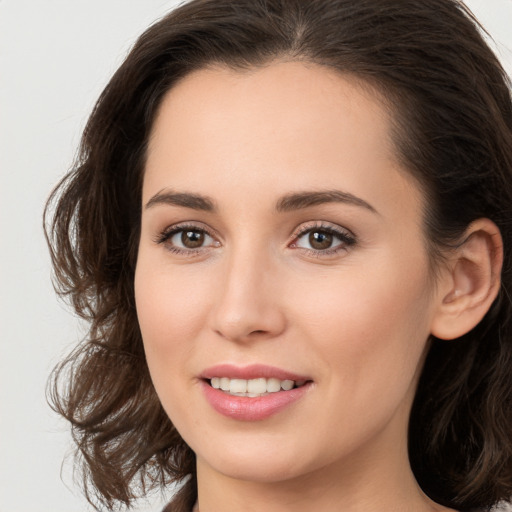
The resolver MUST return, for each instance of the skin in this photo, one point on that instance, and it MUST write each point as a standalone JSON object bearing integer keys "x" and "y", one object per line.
{"x": 356, "y": 321}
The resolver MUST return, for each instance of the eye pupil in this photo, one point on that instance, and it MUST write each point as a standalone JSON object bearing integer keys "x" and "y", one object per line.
{"x": 320, "y": 240}
{"x": 192, "y": 239}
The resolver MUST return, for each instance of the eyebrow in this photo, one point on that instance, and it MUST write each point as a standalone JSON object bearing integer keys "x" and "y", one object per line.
{"x": 300, "y": 200}
{"x": 185, "y": 199}
{"x": 289, "y": 202}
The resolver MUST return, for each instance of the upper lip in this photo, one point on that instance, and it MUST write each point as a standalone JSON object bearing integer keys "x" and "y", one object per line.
{"x": 253, "y": 371}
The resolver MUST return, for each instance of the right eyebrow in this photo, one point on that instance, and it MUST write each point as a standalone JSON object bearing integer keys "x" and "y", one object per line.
{"x": 185, "y": 199}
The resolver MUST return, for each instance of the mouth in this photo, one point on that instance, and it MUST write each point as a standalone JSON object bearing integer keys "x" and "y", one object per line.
{"x": 252, "y": 393}
{"x": 254, "y": 388}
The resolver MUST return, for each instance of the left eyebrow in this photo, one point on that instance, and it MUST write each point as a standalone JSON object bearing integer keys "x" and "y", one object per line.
{"x": 300, "y": 200}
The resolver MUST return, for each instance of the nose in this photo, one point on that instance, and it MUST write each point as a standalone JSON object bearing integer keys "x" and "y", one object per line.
{"x": 249, "y": 304}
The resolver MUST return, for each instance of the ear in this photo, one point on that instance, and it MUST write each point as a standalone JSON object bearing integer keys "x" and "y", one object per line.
{"x": 471, "y": 281}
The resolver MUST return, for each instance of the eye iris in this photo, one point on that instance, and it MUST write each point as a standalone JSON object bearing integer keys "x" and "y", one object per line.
{"x": 320, "y": 240}
{"x": 192, "y": 239}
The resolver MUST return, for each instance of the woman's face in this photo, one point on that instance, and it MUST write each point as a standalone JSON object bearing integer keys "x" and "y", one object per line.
{"x": 282, "y": 242}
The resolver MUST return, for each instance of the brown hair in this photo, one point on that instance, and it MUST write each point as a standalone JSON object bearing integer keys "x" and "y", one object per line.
{"x": 452, "y": 108}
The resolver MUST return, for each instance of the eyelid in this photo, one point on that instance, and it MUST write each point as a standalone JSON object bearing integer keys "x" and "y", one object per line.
{"x": 167, "y": 233}
{"x": 346, "y": 236}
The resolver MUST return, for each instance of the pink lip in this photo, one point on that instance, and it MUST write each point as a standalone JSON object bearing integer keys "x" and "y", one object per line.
{"x": 251, "y": 409}
{"x": 253, "y": 371}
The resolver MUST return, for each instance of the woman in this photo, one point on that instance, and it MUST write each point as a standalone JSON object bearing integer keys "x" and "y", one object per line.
{"x": 290, "y": 230}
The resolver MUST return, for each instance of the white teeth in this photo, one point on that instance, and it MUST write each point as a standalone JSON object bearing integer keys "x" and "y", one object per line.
{"x": 273, "y": 385}
{"x": 257, "y": 386}
{"x": 253, "y": 387}
{"x": 287, "y": 384}
{"x": 238, "y": 386}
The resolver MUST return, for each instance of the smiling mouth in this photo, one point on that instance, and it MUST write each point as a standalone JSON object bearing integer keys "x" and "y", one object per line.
{"x": 253, "y": 388}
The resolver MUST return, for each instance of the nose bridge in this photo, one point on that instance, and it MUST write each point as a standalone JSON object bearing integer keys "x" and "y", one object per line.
{"x": 247, "y": 305}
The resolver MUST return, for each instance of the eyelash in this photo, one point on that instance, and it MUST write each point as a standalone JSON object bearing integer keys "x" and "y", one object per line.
{"x": 344, "y": 236}
{"x": 166, "y": 235}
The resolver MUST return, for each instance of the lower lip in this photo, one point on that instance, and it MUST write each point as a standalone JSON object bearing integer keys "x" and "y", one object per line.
{"x": 244, "y": 408}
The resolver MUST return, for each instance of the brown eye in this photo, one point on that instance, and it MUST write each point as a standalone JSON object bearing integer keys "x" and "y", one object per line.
{"x": 320, "y": 240}
{"x": 324, "y": 241}
{"x": 192, "y": 239}
{"x": 188, "y": 239}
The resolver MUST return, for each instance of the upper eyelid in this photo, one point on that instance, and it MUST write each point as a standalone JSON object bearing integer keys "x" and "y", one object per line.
{"x": 322, "y": 225}
{"x": 191, "y": 225}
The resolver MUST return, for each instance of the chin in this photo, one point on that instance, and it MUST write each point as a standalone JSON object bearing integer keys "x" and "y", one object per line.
{"x": 262, "y": 459}
{"x": 258, "y": 469}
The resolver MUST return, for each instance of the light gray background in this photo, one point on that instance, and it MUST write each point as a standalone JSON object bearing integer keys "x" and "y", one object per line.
{"x": 55, "y": 58}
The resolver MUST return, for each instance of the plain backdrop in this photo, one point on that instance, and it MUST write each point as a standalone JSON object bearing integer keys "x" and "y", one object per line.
{"x": 55, "y": 58}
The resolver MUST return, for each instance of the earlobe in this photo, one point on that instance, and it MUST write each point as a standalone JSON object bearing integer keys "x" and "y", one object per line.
{"x": 471, "y": 282}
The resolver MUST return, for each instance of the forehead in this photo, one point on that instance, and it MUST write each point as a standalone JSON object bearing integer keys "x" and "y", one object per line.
{"x": 289, "y": 99}
{"x": 288, "y": 125}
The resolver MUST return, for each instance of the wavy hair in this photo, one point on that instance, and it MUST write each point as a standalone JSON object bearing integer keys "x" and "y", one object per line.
{"x": 451, "y": 104}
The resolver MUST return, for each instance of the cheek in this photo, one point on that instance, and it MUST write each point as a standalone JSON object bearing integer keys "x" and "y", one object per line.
{"x": 368, "y": 333}
{"x": 371, "y": 325}
{"x": 171, "y": 310}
